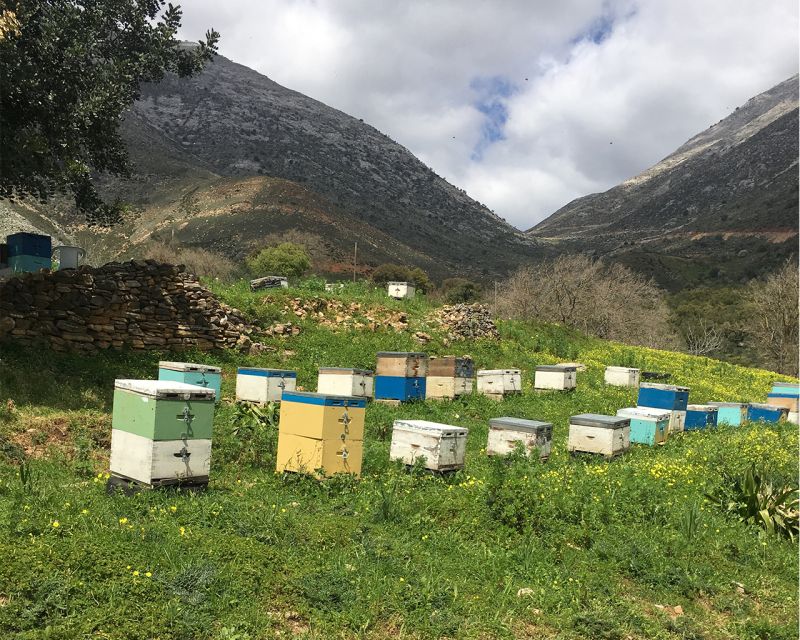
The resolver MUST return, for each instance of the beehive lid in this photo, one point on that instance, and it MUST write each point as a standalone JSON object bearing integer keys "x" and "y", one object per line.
{"x": 434, "y": 428}
{"x": 561, "y": 368}
{"x": 787, "y": 385}
{"x": 267, "y": 373}
{"x": 322, "y": 399}
{"x": 394, "y": 284}
{"x": 662, "y": 387}
{"x": 188, "y": 366}
{"x": 497, "y": 372}
{"x": 598, "y": 420}
{"x": 519, "y": 424}
{"x": 767, "y": 407}
{"x": 401, "y": 354}
{"x": 644, "y": 412}
{"x": 735, "y": 405}
{"x": 345, "y": 371}
{"x": 708, "y": 408}
{"x": 623, "y": 369}
{"x": 165, "y": 389}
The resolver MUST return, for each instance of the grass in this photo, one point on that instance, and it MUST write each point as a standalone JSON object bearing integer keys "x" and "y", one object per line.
{"x": 572, "y": 548}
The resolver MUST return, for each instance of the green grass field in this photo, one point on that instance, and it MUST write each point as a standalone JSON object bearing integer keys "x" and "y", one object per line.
{"x": 570, "y": 548}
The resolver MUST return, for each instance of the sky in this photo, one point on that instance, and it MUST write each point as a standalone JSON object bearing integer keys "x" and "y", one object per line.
{"x": 525, "y": 104}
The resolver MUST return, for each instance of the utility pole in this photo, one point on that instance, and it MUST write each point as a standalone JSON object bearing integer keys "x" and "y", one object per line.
{"x": 495, "y": 295}
{"x": 355, "y": 260}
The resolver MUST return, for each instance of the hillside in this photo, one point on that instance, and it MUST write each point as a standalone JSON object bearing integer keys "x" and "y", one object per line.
{"x": 721, "y": 208}
{"x": 572, "y": 548}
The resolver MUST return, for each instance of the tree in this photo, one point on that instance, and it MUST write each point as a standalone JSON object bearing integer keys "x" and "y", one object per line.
{"x": 772, "y": 318}
{"x": 460, "y": 290}
{"x": 390, "y": 273}
{"x": 68, "y": 71}
{"x": 286, "y": 259}
{"x": 420, "y": 279}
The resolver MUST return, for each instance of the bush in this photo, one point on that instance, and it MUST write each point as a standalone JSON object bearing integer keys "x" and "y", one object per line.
{"x": 420, "y": 279}
{"x": 390, "y": 273}
{"x": 457, "y": 290}
{"x": 200, "y": 262}
{"x": 286, "y": 259}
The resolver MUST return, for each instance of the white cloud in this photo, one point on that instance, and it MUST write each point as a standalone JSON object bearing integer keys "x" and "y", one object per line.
{"x": 583, "y": 115}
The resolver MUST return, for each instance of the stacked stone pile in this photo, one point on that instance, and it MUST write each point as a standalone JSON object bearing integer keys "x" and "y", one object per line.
{"x": 466, "y": 321}
{"x": 137, "y": 305}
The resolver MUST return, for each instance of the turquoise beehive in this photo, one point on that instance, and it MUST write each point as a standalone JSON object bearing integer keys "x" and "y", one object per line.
{"x": 648, "y": 426}
{"x": 202, "y": 375}
{"x": 731, "y": 413}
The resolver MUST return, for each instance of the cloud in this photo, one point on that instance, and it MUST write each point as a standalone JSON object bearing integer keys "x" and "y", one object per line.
{"x": 524, "y": 105}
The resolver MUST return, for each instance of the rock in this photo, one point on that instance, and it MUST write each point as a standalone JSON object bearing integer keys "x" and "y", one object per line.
{"x": 466, "y": 321}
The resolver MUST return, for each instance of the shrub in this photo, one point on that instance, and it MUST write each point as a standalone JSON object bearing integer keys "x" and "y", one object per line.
{"x": 460, "y": 290}
{"x": 390, "y": 273}
{"x": 286, "y": 259}
{"x": 198, "y": 261}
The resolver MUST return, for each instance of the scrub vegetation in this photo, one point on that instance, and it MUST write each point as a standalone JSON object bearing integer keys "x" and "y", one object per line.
{"x": 644, "y": 546}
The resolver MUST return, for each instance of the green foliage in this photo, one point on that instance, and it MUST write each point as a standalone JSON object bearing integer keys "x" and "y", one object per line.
{"x": 752, "y": 498}
{"x": 67, "y": 75}
{"x": 397, "y": 273}
{"x": 286, "y": 259}
{"x": 254, "y": 432}
{"x": 460, "y": 290}
{"x": 420, "y": 279}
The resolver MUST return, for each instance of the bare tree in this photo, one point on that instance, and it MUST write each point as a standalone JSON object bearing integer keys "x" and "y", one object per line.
{"x": 772, "y": 318}
{"x": 702, "y": 339}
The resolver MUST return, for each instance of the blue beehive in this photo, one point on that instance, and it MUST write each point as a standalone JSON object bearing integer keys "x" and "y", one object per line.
{"x": 766, "y": 413}
{"x": 29, "y": 244}
{"x": 399, "y": 388}
{"x": 731, "y": 413}
{"x": 790, "y": 388}
{"x": 648, "y": 426}
{"x": 700, "y": 416}
{"x": 202, "y": 375}
{"x": 663, "y": 396}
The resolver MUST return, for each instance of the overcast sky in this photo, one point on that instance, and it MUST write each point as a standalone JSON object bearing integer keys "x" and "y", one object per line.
{"x": 525, "y": 104}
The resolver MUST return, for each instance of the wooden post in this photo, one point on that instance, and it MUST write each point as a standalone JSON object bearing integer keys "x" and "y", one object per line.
{"x": 355, "y": 258}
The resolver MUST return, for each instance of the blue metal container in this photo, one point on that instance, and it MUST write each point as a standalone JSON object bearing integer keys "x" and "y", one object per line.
{"x": 399, "y": 388}
{"x": 28, "y": 264}
{"x": 766, "y": 413}
{"x": 700, "y": 416}
{"x": 202, "y": 375}
{"x": 731, "y": 413}
{"x": 29, "y": 244}
{"x": 663, "y": 396}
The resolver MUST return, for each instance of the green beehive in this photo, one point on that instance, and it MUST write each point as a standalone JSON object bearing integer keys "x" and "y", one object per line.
{"x": 163, "y": 410}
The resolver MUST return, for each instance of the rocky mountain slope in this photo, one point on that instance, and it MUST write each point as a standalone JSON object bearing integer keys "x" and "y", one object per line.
{"x": 723, "y": 206}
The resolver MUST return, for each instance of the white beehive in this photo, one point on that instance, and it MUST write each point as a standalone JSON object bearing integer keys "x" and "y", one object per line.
{"x": 506, "y": 433}
{"x": 159, "y": 461}
{"x": 677, "y": 419}
{"x": 447, "y": 387}
{"x": 603, "y": 435}
{"x": 263, "y": 385}
{"x": 400, "y": 290}
{"x": 499, "y": 382}
{"x": 338, "y": 381}
{"x": 559, "y": 377}
{"x": 442, "y": 445}
{"x": 622, "y": 376}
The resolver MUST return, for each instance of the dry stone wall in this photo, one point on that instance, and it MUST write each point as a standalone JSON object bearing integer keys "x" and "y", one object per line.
{"x": 137, "y": 305}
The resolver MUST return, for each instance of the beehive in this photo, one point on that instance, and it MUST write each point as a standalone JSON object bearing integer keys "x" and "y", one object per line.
{"x": 442, "y": 445}
{"x": 161, "y": 431}
{"x": 400, "y": 388}
{"x": 766, "y": 413}
{"x": 202, "y": 375}
{"x": 560, "y": 377}
{"x": 506, "y": 434}
{"x": 731, "y": 413}
{"x": 604, "y": 435}
{"x": 320, "y": 433}
{"x": 400, "y": 375}
{"x": 400, "y": 290}
{"x": 784, "y": 395}
{"x": 29, "y": 252}
{"x": 498, "y": 383}
{"x": 622, "y": 376}
{"x": 648, "y": 426}
{"x": 442, "y": 387}
{"x": 449, "y": 377}
{"x": 451, "y": 366}
{"x": 345, "y": 382}
{"x": 263, "y": 385}
{"x": 700, "y": 416}
{"x": 666, "y": 396}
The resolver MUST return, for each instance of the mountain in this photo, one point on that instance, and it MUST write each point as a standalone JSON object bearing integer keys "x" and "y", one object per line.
{"x": 722, "y": 208}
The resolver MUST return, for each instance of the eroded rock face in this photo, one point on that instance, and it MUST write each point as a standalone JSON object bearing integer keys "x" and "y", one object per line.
{"x": 136, "y": 305}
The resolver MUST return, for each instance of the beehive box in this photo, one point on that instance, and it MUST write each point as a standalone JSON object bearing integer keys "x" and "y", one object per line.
{"x": 442, "y": 445}
{"x": 499, "y": 382}
{"x": 29, "y": 244}
{"x": 604, "y": 435}
{"x": 443, "y": 387}
{"x": 648, "y": 426}
{"x": 558, "y": 377}
{"x": 505, "y": 434}
{"x": 28, "y": 264}
{"x": 161, "y": 431}
{"x": 766, "y": 413}
{"x": 202, "y": 375}
{"x": 264, "y": 385}
{"x": 451, "y": 366}
{"x": 784, "y": 399}
{"x": 677, "y": 419}
{"x": 404, "y": 364}
{"x": 400, "y": 290}
{"x": 700, "y": 416}
{"x": 663, "y": 396}
{"x": 622, "y": 376}
{"x": 320, "y": 433}
{"x": 731, "y": 413}
{"x": 345, "y": 382}
{"x": 400, "y": 388}
{"x": 791, "y": 388}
